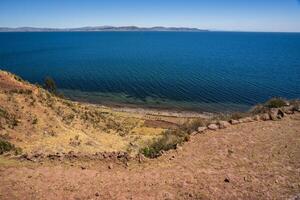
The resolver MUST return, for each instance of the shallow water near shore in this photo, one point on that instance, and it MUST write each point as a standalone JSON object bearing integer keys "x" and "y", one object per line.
{"x": 209, "y": 71}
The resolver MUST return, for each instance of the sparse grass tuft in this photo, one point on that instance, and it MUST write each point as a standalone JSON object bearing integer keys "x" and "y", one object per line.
{"x": 5, "y": 146}
{"x": 272, "y": 103}
{"x": 193, "y": 125}
{"x": 169, "y": 140}
{"x": 275, "y": 103}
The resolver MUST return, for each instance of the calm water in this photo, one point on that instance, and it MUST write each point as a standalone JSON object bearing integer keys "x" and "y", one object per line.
{"x": 208, "y": 71}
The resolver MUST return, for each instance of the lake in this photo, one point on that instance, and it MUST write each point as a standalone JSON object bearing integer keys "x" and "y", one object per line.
{"x": 200, "y": 71}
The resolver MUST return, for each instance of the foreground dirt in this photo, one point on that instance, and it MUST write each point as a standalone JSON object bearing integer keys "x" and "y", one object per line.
{"x": 257, "y": 160}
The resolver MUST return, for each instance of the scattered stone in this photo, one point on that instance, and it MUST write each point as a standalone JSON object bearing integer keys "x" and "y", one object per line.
{"x": 288, "y": 110}
{"x": 97, "y": 194}
{"x": 234, "y": 122}
{"x": 246, "y": 120}
{"x": 276, "y": 114}
{"x": 230, "y": 151}
{"x": 178, "y": 147}
{"x": 223, "y": 124}
{"x": 201, "y": 129}
{"x": 226, "y": 180}
{"x": 194, "y": 133}
{"x": 256, "y": 117}
{"x": 83, "y": 168}
{"x": 265, "y": 117}
{"x": 213, "y": 127}
{"x": 110, "y": 166}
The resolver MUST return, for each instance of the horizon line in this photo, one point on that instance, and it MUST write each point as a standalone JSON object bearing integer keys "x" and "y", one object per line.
{"x": 138, "y": 27}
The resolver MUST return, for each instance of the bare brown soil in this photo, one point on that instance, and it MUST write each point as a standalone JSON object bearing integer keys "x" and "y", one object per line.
{"x": 256, "y": 160}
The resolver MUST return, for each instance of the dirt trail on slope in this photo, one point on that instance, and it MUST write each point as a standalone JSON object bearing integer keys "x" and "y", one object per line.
{"x": 258, "y": 160}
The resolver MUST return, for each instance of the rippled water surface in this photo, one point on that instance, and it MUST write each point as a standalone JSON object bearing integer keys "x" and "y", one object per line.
{"x": 208, "y": 71}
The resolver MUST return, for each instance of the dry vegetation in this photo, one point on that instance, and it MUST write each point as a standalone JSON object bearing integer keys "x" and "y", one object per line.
{"x": 38, "y": 121}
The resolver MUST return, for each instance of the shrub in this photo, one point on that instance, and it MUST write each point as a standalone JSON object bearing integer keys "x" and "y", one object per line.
{"x": 5, "y": 146}
{"x": 272, "y": 103}
{"x": 34, "y": 121}
{"x": 193, "y": 125}
{"x": 3, "y": 113}
{"x": 49, "y": 84}
{"x": 275, "y": 103}
{"x": 169, "y": 140}
{"x": 238, "y": 115}
{"x": 18, "y": 151}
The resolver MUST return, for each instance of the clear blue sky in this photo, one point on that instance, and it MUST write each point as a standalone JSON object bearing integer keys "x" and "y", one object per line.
{"x": 244, "y": 15}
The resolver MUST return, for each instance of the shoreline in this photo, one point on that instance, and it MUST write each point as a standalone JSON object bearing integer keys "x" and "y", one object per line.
{"x": 143, "y": 110}
{"x": 163, "y": 108}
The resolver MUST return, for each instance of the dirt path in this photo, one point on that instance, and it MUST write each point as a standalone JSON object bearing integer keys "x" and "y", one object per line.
{"x": 258, "y": 160}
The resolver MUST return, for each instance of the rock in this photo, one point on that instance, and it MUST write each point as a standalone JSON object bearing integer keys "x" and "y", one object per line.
{"x": 297, "y": 108}
{"x": 110, "y": 166}
{"x": 223, "y": 124}
{"x": 256, "y": 117}
{"x": 213, "y": 127}
{"x": 97, "y": 194}
{"x": 265, "y": 117}
{"x": 226, "y": 180}
{"x": 288, "y": 110}
{"x": 194, "y": 133}
{"x": 246, "y": 120}
{"x": 276, "y": 113}
{"x": 178, "y": 147}
{"x": 201, "y": 129}
{"x": 234, "y": 122}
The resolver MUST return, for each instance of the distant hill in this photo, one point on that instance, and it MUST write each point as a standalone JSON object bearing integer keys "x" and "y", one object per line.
{"x": 99, "y": 29}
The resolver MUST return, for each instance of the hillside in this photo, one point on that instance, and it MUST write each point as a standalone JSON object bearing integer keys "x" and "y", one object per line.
{"x": 41, "y": 123}
{"x": 89, "y": 151}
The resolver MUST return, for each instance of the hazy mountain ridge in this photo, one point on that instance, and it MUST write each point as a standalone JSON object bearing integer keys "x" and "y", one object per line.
{"x": 100, "y": 28}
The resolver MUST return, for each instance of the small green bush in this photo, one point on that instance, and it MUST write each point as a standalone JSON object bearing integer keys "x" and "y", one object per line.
{"x": 50, "y": 85}
{"x": 5, "y": 146}
{"x": 18, "y": 151}
{"x": 169, "y": 140}
{"x": 3, "y": 113}
{"x": 275, "y": 103}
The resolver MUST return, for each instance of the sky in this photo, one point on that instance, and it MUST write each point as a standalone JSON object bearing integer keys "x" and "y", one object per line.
{"x": 227, "y": 15}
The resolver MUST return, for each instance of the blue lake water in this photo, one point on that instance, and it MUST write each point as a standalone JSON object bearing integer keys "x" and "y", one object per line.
{"x": 201, "y": 71}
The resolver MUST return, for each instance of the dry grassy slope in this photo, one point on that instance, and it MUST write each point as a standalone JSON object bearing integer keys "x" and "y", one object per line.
{"x": 37, "y": 121}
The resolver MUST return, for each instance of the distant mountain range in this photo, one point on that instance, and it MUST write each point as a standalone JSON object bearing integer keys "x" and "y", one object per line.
{"x": 99, "y": 28}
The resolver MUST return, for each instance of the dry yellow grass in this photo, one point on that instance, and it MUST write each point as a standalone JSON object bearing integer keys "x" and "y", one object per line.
{"x": 45, "y": 123}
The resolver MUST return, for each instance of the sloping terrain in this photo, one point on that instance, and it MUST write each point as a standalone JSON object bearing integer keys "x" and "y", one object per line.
{"x": 41, "y": 123}
{"x": 257, "y": 160}
{"x": 253, "y": 157}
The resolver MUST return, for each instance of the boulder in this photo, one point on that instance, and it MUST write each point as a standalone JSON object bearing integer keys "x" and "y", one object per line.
{"x": 297, "y": 108}
{"x": 276, "y": 114}
{"x": 201, "y": 129}
{"x": 223, "y": 124}
{"x": 234, "y": 122}
{"x": 256, "y": 117}
{"x": 288, "y": 110}
{"x": 246, "y": 120}
{"x": 213, "y": 127}
{"x": 265, "y": 117}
